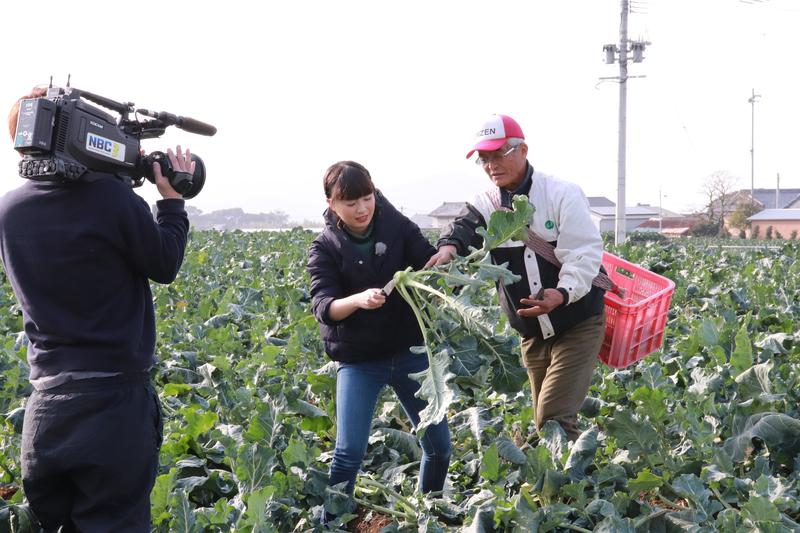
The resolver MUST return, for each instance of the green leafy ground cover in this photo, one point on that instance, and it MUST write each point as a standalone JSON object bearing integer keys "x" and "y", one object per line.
{"x": 702, "y": 436}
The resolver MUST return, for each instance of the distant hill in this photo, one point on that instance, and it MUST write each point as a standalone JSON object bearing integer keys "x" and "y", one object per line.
{"x": 236, "y": 218}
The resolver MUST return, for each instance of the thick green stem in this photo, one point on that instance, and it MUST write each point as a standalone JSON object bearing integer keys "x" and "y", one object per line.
{"x": 447, "y": 276}
{"x": 575, "y": 528}
{"x": 787, "y": 520}
{"x": 376, "y": 507}
{"x": 476, "y": 253}
{"x": 643, "y": 520}
{"x": 447, "y": 299}
{"x": 404, "y": 291}
{"x": 670, "y": 502}
{"x": 421, "y": 286}
{"x": 719, "y": 497}
{"x": 388, "y": 491}
{"x": 428, "y": 316}
{"x": 672, "y": 491}
{"x": 422, "y": 326}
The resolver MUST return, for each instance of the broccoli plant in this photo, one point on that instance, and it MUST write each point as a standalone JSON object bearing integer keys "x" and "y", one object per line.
{"x": 463, "y": 334}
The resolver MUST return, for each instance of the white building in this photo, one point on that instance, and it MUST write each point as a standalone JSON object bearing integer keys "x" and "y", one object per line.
{"x": 446, "y": 213}
{"x": 604, "y": 214}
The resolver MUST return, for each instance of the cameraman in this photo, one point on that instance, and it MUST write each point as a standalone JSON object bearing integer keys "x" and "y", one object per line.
{"x": 79, "y": 257}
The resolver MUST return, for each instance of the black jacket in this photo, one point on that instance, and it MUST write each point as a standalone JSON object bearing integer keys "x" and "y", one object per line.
{"x": 338, "y": 270}
{"x": 79, "y": 257}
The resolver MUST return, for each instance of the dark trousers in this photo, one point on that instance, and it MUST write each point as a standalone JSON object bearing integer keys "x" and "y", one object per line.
{"x": 560, "y": 370}
{"x": 90, "y": 454}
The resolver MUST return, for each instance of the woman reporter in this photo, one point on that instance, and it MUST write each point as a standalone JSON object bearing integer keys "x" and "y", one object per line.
{"x": 368, "y": 333}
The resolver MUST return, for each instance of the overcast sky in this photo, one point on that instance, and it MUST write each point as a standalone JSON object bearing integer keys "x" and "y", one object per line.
{"x": 401, "y": 86}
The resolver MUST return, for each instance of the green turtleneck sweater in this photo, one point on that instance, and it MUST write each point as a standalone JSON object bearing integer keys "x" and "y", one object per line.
{"x": 364, "y": 243}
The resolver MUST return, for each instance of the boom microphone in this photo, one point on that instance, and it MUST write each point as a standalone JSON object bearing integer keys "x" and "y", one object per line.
{"x": 195, "y": 126}
{"x": 185, "y": 123}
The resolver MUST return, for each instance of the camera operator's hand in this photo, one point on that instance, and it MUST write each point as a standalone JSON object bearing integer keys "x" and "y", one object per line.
{"x": 37, "y": 92}
{"x": 181, "y": 162}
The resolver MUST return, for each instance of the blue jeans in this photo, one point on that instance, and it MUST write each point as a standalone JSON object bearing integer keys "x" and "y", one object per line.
{"x": 358, "y": 386}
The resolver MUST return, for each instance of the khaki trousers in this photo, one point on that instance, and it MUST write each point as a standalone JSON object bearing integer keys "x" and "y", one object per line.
{"x": 560, "y": 370}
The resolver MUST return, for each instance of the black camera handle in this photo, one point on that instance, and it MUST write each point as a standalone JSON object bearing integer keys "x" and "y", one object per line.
{"x": 122, "y": 108}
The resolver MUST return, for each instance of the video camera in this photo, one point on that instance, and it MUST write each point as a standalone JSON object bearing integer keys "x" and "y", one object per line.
{"x": 62, "y": 137}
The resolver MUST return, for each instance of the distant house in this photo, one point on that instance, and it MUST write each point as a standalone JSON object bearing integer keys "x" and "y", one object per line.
{"x": 424, "y": 221}
{"x": 600, "y": 201}
{"x": 661, "y": 212}
{"x": 784, "y": 222}
{"x": 446, "y": 213}
{"x": 761, "y": 199}
{"x": 604, "y": 214}
{"x": 670, "y": 226}
{"x": 775, "y": 198}
{"x": 602, "y": 210}
{"x": 669, "y": 223}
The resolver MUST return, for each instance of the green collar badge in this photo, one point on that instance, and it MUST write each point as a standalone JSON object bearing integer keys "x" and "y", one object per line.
{"x": 549, "y": 224}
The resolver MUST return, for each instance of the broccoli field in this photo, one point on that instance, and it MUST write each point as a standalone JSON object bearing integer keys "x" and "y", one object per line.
{"x": 703, "y": 435}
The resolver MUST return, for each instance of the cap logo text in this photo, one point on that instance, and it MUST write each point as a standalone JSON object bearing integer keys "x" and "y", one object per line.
{"x": 486, "y": 132}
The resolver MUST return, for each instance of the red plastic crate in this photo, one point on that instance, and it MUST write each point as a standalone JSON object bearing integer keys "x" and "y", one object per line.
{"x": 634, "y": 322}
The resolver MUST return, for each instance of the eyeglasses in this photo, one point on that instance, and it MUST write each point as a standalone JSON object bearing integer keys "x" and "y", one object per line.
{"x": 483, "y": 161}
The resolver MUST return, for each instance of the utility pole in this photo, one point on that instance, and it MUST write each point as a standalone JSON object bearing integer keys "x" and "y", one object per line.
{"x": 619, "y": 234}
{"x": 637, "y": 49}
{"x": 752, "y": 101}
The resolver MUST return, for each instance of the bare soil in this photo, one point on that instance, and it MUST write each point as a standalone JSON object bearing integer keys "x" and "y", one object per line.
{"x": 368, "y": 521}
{"x": 7, "y": 493}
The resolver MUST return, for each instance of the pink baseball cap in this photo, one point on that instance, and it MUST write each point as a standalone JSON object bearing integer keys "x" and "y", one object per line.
{"x": 495, "y": 132}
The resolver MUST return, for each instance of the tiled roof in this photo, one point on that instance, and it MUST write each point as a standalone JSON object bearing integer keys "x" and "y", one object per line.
{"x": 447, "y": 209}
{"x": 776, "y": 214}
{"x": 682, "y": 222}
{"x": 767, "y": 197}
{"x": 635, "y": 211}
{"x": 600, "y": 201}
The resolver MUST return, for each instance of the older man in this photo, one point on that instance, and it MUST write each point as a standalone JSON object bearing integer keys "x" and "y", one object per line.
{"x": 563, "y": 325}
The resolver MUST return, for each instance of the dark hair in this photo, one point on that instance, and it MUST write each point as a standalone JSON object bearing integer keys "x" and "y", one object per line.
{"x": 347, "y": 180}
